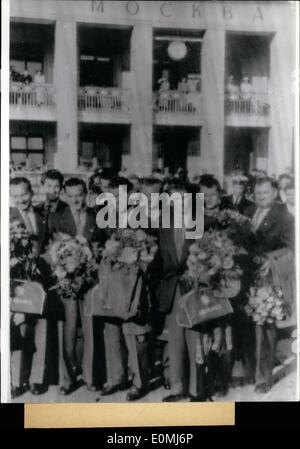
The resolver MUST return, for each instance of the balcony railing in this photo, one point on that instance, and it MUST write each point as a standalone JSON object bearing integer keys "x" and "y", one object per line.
{"x": 256, "y": 106}
{"x": 174, "y": 101}
{"x": 104, "y": 99}
{"x": 32, "y": 95}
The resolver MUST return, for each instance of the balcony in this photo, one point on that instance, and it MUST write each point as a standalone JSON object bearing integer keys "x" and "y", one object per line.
{"x": 176, "y": 108}
{"x": 32, "y": 102}
{"x": 251, "y": 112}
{"x": 104, "y": 105}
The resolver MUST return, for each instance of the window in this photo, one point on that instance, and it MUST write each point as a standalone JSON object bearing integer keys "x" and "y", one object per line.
{"x": 27, "y": 151}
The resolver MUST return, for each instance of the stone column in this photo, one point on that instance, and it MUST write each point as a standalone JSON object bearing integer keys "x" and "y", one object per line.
{"x": 140, "y": 160}
{"x": 282, "y": 103}
{"x": 65, "y": 81}
{"x": 212, "y": 135}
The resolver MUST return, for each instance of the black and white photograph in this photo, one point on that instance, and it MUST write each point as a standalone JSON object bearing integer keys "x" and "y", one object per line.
{"x": 151, "y": 244}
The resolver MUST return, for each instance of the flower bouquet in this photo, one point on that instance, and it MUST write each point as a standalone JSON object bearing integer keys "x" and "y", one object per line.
{"x": 238, "y": 227}
{"x": 125, "y": 259}
{"x": 213, "y": 274}
{"x": 266, "y": 303}
{"x": 73, "y": 265}
{"x": 26, "y": 291}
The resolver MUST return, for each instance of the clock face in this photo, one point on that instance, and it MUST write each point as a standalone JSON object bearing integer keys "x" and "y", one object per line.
{"x": 177, "y": 50}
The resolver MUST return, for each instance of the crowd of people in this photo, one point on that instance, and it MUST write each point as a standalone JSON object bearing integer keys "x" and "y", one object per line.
{"x": 151, "y": 349}
{"x": 26, "y": 77}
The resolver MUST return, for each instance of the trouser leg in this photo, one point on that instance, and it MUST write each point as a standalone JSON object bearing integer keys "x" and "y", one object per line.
{"x": 265, "y": 353}
{"x": 64, "y": 376}
{"x": 176, "y": 351}
{"x": 114, "y": 353}
{"x": 39, "y": 357}
{"x": 15, "y": 365}
{"x": 192, "y": 338}
{"x": 88, "y": 345}
{"x": 138, "y": 359}
{"x": 69, "y": 337}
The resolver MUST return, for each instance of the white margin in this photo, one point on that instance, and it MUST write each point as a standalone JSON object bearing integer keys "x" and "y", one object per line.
{"x": 5, "y": 314}
{"x": 297, "y": 191}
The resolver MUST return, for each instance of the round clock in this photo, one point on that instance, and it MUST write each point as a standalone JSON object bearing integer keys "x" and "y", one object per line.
{"x": 177, "y": 50}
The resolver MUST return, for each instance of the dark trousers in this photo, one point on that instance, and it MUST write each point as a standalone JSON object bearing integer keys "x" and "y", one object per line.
{"x": 28, "y": 364}
{"x": 266, "y": 338}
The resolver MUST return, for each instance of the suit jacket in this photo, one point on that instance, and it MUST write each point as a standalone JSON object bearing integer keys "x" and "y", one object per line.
{"x": 241, "y": 206}
{"x": 40, "y": 223}
{"x": 63, "y": 221}
{"x": 275, "y": 231}
{"x": 169, "y": 266}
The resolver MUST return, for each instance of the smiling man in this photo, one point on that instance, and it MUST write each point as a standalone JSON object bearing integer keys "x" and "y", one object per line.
{"x": 274, "y": 229}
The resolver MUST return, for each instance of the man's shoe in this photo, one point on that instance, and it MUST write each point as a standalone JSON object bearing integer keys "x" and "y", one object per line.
{"x": 110, "y": 389}
{"x": 173, "y": 397}
{"x": 66, "y": 390}
{"x": 200, "y": 398}
{"x": 38, "y": 389}
{"x": 136, "y": 393}
{"x": 91, "y": 387}
{"x": 19, "y": 391}
{"x": 263, "y": 388}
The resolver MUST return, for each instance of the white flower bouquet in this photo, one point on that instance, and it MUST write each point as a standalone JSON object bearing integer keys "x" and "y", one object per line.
{"x": 72, "y": 263}
{"x": 266, "y": 304}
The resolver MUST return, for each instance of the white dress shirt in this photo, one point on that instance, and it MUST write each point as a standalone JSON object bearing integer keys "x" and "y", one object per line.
{"x": 29, "y": 219}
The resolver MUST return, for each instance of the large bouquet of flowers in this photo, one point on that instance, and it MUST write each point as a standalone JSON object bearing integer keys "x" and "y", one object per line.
{"x": 26, "y": 291}
{"x": 266, "y": 303}
{"x": 238, "y": 227}
{"x": 125, "y": 259}
{"x": 211, "y": 261}
{"x": 212, "y": 276}
{"x": 22, "y": 257}
{"x": 129, "y": 247}
{"x": 72, "y": 263}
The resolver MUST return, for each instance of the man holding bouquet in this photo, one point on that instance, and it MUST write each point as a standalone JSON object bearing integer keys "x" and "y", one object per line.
{"x": 274, "y": 229}
{"x": 32, "y": 363}
{"x": 132, "y": 335}
{"x": 75, "y": 220}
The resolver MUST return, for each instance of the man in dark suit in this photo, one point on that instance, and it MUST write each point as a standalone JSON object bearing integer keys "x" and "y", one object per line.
{"x": 237, "y": 200}
{"x": 52, "y": 182}
{"x": 30, "y": 365}
{"x": 77, "y": 219}
{"x": 173, "y": 253}
{"x": 274, "y": 229}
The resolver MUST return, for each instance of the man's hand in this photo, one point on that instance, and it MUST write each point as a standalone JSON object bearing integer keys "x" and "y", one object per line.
{"x": 18, "y": 318}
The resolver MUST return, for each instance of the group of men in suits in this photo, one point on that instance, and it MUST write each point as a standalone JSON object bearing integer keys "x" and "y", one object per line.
{"x": 135, "y": 347}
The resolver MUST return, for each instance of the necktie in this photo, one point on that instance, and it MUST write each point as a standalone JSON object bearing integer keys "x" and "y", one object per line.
{"x": 257, "y": 218}
{"x": 77, "y": 218}
{"x": 28, "y": 223}
{"x": 179, "y": 235}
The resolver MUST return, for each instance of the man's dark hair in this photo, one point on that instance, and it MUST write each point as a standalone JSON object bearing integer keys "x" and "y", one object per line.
{"x": 21, "y": 180}
{"x": 150, "y": 181}
{"x": 117, "y": 181}
{"x": 107, "y": 173}
{"x": 72, "y": 182}
{"x": 53, "y": 174}
{"x": 290, "y": 185}
{"x": 266, "y": 180}
{"x": 178, "y": 184}
{"x": 284, "y": 176}
{"x": 209, "y": 181}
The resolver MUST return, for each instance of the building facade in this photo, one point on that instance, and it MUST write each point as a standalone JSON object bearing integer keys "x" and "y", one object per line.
{"x": 140, "y": 85}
